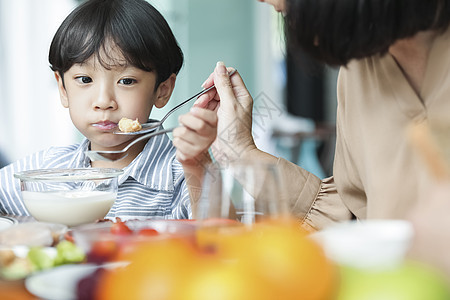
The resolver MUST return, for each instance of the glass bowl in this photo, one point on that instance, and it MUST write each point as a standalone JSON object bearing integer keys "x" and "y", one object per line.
{"x": 69, "y": 196}
{"x": 95, "y": 238}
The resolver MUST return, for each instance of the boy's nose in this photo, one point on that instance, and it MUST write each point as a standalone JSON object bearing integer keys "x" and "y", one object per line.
{"x": 105, "y": 100}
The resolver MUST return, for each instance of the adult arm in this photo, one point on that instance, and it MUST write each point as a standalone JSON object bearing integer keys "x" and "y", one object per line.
{"x": 314, "y": 202}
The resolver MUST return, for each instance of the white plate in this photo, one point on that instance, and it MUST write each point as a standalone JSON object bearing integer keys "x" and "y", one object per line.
{"x": 6, "y": 222}
{"x": 367, "y": 244}
{"x": 60, "y": 283}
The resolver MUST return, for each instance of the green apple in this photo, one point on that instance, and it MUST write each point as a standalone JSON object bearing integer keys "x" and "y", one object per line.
{"x": 409, "y": 281}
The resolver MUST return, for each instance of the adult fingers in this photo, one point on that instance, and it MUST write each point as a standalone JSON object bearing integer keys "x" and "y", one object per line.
{"x": 232, "y": 90}
{"x": 192, "y": 141}
{"x": 213, "y": 105}
{"x": 197, "y": 127}
{"x": 210, "y": 80}
{"x": 206, "y": 115}
{"x": 190, "y": 145}
{"x": 223, "y": 83}
{"x": 205, "y": 99}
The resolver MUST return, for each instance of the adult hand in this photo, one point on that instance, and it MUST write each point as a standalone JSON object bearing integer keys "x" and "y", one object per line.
{"x": 195, "y": 136}
{"x": 192, "y": 139}
{"x": 233, "y": 104}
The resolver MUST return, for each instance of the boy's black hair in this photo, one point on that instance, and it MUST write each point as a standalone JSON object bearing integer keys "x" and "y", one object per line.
{"x": 134, "y": 26}
{"x": 336, "y": 31}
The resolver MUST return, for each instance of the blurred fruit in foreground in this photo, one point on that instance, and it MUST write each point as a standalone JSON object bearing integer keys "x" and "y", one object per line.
{"x": 155, "y": 271}
{"x": 215, "y": 279}
{"x": 279, "y": 255}
{"x": 215, "y": 235}
{"x": 102, "y": 251}
{"x": 18, "y": 265}
{"x": 293, "y": 265}
{"x": 120, "y": 228}
{"x": 67, "y": 252}
{"x": 410, "y": 281}
{"x": 263, "y": 262}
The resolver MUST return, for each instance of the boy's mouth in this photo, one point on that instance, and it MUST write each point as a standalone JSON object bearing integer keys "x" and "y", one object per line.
{"x": 105, "y": 125}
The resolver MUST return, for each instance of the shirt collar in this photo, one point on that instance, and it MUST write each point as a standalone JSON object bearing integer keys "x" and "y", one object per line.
{"x": 152, "y": 167}
{"x": 80, "y": 159}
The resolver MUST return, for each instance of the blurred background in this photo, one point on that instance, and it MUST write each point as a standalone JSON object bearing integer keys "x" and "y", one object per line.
{"x": 295, "y": 103}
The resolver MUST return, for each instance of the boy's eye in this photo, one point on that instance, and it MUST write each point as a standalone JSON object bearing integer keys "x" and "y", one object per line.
{"x": 127, "y": 81}
{"x": 83, "y": 79}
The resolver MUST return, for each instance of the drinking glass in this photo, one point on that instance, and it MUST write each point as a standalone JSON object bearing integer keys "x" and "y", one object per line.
{"x": 235, "y": 198}
{"x": 245, "y": 192}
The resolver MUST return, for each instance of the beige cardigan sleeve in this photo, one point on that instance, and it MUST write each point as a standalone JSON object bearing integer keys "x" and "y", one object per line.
{"x": 314, "y": 202}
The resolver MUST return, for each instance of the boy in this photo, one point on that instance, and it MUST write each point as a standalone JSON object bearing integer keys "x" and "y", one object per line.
{"x": 114, "y": 59}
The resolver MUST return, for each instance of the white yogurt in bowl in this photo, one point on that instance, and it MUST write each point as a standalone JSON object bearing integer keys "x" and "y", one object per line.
{"x": 69, "y": 196}
{"x": 70, "y": 208}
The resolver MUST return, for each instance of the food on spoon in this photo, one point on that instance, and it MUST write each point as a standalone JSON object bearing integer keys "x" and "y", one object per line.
{"x": 129, "y": 125}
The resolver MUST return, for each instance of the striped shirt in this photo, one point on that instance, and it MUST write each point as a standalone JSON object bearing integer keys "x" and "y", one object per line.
{"x": 152, "y": 185}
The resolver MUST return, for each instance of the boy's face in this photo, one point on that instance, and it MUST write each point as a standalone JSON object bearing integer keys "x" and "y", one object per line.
{"x": 98, "y": 98}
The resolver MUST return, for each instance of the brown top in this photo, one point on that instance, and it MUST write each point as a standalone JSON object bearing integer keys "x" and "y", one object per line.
{"x": 377, "y": 171}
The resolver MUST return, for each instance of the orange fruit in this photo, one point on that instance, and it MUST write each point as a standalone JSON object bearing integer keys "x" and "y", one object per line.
{"x": 291, "y": 264}
{"x": 215, "y": 279}
{"x": 156, "y": 271}
{"x": 273, "y": 260}
{"x": 214, "y": 236}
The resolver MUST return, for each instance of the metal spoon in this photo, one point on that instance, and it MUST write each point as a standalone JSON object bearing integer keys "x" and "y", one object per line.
{"x": 151, "y": 126}
{"x": 109, "y": 155}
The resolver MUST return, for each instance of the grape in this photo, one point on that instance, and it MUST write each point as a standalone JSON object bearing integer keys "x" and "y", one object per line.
{"x": 87, "y": 285}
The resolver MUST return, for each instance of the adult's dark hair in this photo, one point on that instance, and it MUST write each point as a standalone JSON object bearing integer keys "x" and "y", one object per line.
{"x": 336, "y": 31}
{"x": 134, "y": 26}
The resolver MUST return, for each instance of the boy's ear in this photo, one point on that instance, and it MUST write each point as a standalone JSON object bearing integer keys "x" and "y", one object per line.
{"x": 164, "y": 91}
{"x": 62, "y": 90}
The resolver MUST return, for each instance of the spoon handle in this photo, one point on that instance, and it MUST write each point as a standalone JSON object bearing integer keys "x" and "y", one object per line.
{"x": 193, "y": 97}
{"x": 147, "y": 136}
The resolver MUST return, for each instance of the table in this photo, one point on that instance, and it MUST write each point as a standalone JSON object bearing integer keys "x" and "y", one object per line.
{"x": 14, "y": 290}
